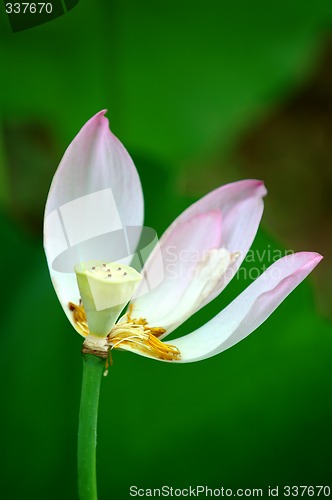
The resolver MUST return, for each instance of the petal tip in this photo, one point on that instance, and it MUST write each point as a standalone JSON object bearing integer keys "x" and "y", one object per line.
{"x": 304, "y": 261}
{"x": 314, "y": 257}
{"x": 261, "y": 188}
{"x": 101, "y": 113}
{"x": 99, "y": 117}
{"x": 249, "y": 187}
{"x": 97, "y": 120}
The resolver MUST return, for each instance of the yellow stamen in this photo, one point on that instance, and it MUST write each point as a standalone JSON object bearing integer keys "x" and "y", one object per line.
{"x": 135, "y": 333}
{"x": 79, "y": 318}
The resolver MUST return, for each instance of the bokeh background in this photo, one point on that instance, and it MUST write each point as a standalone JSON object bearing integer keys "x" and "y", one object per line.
{"x": 201, "y": 93}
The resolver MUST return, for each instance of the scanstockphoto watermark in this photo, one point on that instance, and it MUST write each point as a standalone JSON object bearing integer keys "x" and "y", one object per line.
{"x": 207, "y": 492}
{"x": 191, "y": 263}
{"x": 258, "y": 261}
{"x": 194, "y": 491}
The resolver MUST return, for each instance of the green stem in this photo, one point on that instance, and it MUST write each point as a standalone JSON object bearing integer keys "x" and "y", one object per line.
{"x": 93, "y": 367}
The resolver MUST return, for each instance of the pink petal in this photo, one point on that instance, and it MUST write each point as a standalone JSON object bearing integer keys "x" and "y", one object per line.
{"x": 95, "y": 195}
{"x": 240, "y": 205}
{"x": 180, "y": 251}
{"x": 249, "y": 310}
{"x": 96, "y": 160}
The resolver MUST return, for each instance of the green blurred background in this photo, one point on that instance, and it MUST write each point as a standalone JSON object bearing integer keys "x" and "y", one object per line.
{"x": 200, "y": 93}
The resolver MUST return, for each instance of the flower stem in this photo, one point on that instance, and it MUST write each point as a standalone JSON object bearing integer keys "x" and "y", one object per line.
{"x": 93, "y": 367}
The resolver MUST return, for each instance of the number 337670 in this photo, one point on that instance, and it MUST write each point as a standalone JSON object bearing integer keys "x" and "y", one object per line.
{"x": 28, "y": 8}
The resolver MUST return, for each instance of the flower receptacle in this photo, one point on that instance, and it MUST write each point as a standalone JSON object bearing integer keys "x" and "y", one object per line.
{"x": 105, "y": 290}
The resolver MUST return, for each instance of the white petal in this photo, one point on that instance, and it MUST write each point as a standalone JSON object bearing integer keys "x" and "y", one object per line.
{"x": 181, "y": 252}
{"x": 249, "y": 310}
{"x": 94, "y": 209}
{"x": 227, "y": 218}
{"x": 206, "y": 277}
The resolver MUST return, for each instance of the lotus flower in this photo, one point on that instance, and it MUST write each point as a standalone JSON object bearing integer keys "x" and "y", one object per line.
{"x": 93, "y": 223}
